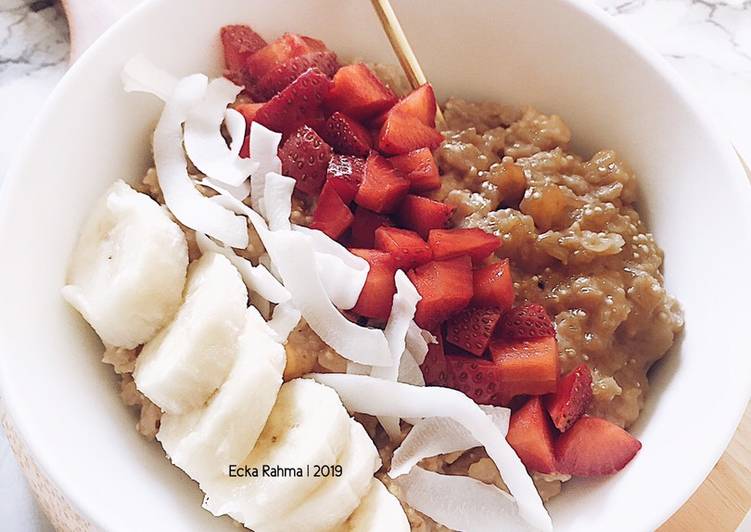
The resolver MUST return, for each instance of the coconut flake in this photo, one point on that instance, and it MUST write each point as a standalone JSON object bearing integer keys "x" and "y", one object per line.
{"x": 277, "y": 197}
{"x": 461, "y": 503}
{"x": 379, "y": 397}
{"x": 141, "y": 75}
{"x": 417, "y": 342}
{"x": 409, "y": 370}
{"x": 284, "y": 320}
{"x": 264, "y": 144}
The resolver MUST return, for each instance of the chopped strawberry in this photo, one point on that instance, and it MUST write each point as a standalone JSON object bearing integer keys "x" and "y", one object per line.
{"x": 472, "y": 328}
{"x": 282, "y": 75}
{"x": 423, "y": 214}
{"x": 332, "y": 216}
{"x": 305, "y": 157}
{"x": 239, "y": 42}
{"x": 594, "y": 447}
{"x": 477, "y": 378}
{"x": 571, "y": 399}
{"x": 531, "y": 436}
{"x": 405, "y": 246}
{"x": 382, "y": 187}
{"x": 493, "y": 286}
{"x": 280, "y": 51}
{"x": 450, "y": 243}
{"x": 420, "y": 168}
{"x": 419, "y": 103}
{"x": 434, "y": 368}
{"x": 445, "y": 287}
{"x": 245, "y": 148}
{"x": 377, "y": 294}
{"x": 359, "y": 93}
{"x": 526, "y": 322}
{"x": 526, "y": 367}
{"x": 296, "y": 104}
{"x": 249, "y": 111}
{"x": 403, "y": 133}
{"x": 346, "y": 136}
{"x": 345, "y": 173}
{"x": 364, "y": 227}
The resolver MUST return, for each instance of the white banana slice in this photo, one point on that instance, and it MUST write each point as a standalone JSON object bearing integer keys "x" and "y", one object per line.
{"x": 308, "y": 426}
{"x": 190, "y": 358}
{"x": 204, "y": 442}
{"x": 379, "y": 511}
{"x": 127, "y": 270}
{"x": 330, "y": 505}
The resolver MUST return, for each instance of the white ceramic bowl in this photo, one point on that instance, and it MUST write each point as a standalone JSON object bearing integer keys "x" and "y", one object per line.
{"x": 561, "y": 56}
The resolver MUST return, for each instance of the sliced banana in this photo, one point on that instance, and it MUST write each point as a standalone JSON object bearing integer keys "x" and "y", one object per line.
{"x": 330, "y": 505}
{"x": 127, "y": 270}
{"x": 190, "y": 358}
{"x": 379, "y": 511}
{"x": 307, "y": 426}
{"x": 204, "y": 442}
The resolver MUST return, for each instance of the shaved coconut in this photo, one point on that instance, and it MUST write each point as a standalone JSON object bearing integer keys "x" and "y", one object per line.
{"x": 284, "y": 320}
{"x": 235, "y": 123}
{"x": 257, "y": 278}
{"x": 266, "y": 261}
{"x": 441, "y": 435}
{"x": 353, "y": 368}
{"x": 239, "y": 193}
{"x": 409, "y": 370}
{"x": 379, "y": 397}
{"x": 141, "y": 75}
{"x": 277, "y": 196}
{"x": 323, "y": 243}
{"x": 461, "y": 503}
{"x": 188, "y": 205}
{"x": 417, "y": 342}
{"x": 264, "y": 144}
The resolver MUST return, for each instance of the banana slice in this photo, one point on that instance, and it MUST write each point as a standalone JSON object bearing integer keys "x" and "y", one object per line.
{"x": 127, "y": 271}
{"x": 190, "y": 358}
{"x": 204, "y": 442}
{"x": 307, "y": 426}
{"x": 330, "y": 505}
{"x": 379, "y": 511}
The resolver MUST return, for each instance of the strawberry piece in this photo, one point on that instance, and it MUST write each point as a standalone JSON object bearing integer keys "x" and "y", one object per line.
{"x": 445, "y": 287}
{"x": 493, "y": 286}
{"x": 364, "y": 227}
{"x": 531, "y": 436}
{"x": 282, "y": 75}
{"x": 571, "y": 399}
{"x": 358, "y": 93}
{"x": 434, "y": 368}
{"x": 406, "y": 247}
{"x": 346, "y": 136}
{"x": 477, "y": 378}
{"x": 297, "y": 104}
{"x": 278, "y": 52}
{"x": 420, "y": 168}
{"x": 526, "y": 367}
{"x": 332, "y": 216}
{"x": 345, "y": 173}
{"x": 423, "y": 214}
{"x": 526, "y": 322}
{"x": 450, "y": 243}
{"x": 403, "y": 133}
{"x": 239, "y": 42}
{"x": 594, "y": 447}
{"x": 382, "y": 187}
{"x": 377, "y": 294}
{"x": 472, "y": 328}
{"x": 419, "y": 103}
{"x": 305, "y": 157}
{"x": 249, "y": 111}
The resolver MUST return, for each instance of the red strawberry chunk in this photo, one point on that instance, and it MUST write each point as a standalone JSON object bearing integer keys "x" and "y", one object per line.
{"x": 594, "y": 447}
{"x": 571, "y": 399}
{"x": 377, "y": 294}
{"x": 526, "y": 367}
{"x": 472, "y": 328}
{"x": 423, "y": 214}
{"x": 282, "y": 75}
{"x": 345, "y": 173}
{"x": 493, "y": 286}
{"x": 359, "y": 93}
{"x": 419, "y": 103}
{"x": 239, "y": 42}
{"x": 403, "y": 133}
{"x": 450, "y": 243}
{"x": 531, "y": 436}
{"x": 296, "y": 104}
{"x": 434, "y": 368}
{"x": 249, "y": 111}
{"x": 526, "y": 322}
{"x": 382, "y": 187}
{"x": 280, "y": 51}
{"x": 245, "y": 148}
{"x": 364, "y": 227}
{"x": 346, "y": 136}
{"x": 305, "y": 157}
{"x": 445, "y": 287}
{"x": 420, "y": 168}
{"x": 332, "y": 216}
{"x": 476, "y": 378}
{"x": 406, "y": 247}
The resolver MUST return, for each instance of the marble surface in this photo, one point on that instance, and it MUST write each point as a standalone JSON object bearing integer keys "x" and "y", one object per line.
{"x": 707, "y": 41}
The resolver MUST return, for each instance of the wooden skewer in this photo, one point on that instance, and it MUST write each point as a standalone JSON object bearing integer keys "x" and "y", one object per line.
{"x": 402, "y": 48}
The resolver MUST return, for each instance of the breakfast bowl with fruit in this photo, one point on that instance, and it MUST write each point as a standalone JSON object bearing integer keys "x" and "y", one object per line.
{"x": 335, "y": 301}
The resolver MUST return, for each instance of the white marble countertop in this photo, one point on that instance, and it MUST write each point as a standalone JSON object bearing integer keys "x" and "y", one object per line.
{"x": 707, "y": 41}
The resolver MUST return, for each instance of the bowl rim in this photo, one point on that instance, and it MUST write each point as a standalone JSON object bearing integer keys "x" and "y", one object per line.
{"x": 596, "y": 15}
